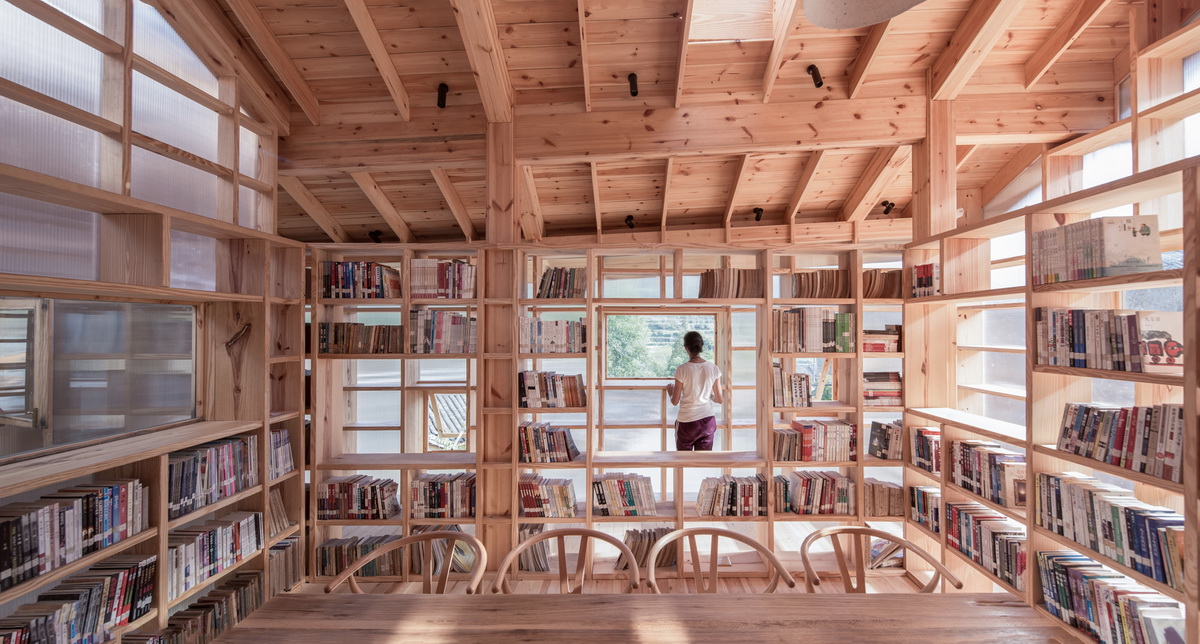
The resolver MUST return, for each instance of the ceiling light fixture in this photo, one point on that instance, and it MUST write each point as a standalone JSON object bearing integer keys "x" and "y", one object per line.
{"x": 376, "y": 236}
{"x": 850, "y": 14}
{"x": 816, "y": 76}
{"x": 758, "y": 213}
{"x": 887, "y": 206}
{"x": 442, "y": 89}
{"x": 629, "y": 220}
{"x": 633, "y": 84}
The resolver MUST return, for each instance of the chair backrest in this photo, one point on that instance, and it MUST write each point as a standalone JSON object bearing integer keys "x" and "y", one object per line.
{"x": 707, "y": 583}
{"x": 857, "y": 583}
{"x": 426, "y": 539}
{"x": 567, "y": 584}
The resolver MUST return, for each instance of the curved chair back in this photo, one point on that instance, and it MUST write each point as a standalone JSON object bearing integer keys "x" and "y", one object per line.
{"x": 567, "y": 584}
{"x": 707, "y": 583}
{"x": 427, "y": 539}
{"x": 857, "y": 583}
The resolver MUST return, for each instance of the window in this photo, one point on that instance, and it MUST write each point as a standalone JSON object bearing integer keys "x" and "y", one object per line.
{"x": 651, "y": 346}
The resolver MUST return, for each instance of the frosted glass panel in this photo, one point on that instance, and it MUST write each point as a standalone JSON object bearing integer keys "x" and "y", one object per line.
{"x": 373, "y": 408}
{"x": 745, "y": 407}
{"x": 632, "y": 286}
{"x": 633, "y": 407}
{"x": 46, "y": 60}
{"x": 634, "y": 440}
{"x": 156, "y": 41}
{"x": 250, "y": 161}
{"x": 373, "y": 442}
{"x": 745, "y": 367}
{"x": 164, "y": 114}
{"x": 38, "y": 141}
{"x": 38, "y": 238}
{"x": 193, "y": 261}
{"x": 249, "y": 202}
{"x": 173, "y": 184}
{"x": 378, "y": 373}
{"x": 745, "y": 328}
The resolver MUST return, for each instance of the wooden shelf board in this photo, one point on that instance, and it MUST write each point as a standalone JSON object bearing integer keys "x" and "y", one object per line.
{"x": 136, "y": 625}
{"x": 972, "y": 296}
{"x": 665, "y": 302}
{"x": 436, "y": 301}
{"x": 883, "y": 301}
{"x": 1004, "y": 391}
{"x": 395, "y": 520}
{"x": 552, "y": 410}
{"x": 371, "y": 428}
{"x": 800, "y": 301}
{"x": 690, "y": 514}
{"x": 114, "y": 290}
{"x": 397, "y": 356}
{"x": 286, "y": 477}
{"x": 979, "y": 347}
{"x": 813, "y": 464}
{"x": 194, "y": 590}
{"x": 353, "y": 301}
{"x": 871, "y": 461}
{"x": 790, "y": 516}
{"x": 989, "y": 427}
{"x": 1078, "y": 635}
{"x": 665, "y": 514}
{"x": 1178, "y": 107}
{"x": 677, "y": 459}
{"x": 442, "y": 521}
{"x": 1147, "y": 581}
{"x": 1095, "y": 140}
{"x": 82, "y": 563}
{"x": 883, "y": 518}
{"x": 983, "y": 571}
{"x": 823, "y": 407}
{"x": 550, "y": 356}
{"x": 396, "y": 461}
{"x": 292, "y": 530}
{"x": 819, "y": 356}
{"x": 226, "y": 502}
{"x": 1166, "y": 379}
{"x": 1137, "y": 477}
{"x": 883, "y": 409}
{"x": 922, "y": 529}
{"x": 580, "y": 517}
{"x": 281, "y": 416}
{"x": 1016, "y": 514}
{"x": 552, "y": 301}
{"x": 879, "y": 355}
{"x": 1152, "y": 279}
{"x": 288, "y": 301}
{"x": 579, "y": 462}
{"x": 935, "y": 478}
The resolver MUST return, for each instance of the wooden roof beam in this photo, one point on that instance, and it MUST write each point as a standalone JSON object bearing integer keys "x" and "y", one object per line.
{"x": 684, "y": 35}
{"x": 533, "y": 225}
{"x": 979, "y": 31}
{"x": 277, "y": 57}
{"x": 455, "y": 202}
{"x": 733, "y": 191}
{"x": 379, "y": 54}
{"x": 596, "y": 200}
{"x": 662, "y": 226}
{"x": 811, "y": 167}
{"x": 383, "y": 205}
{"x": 880, "y": 172}
{"x": 867, "y": 55}
{"x": 1011, "y": 170}
{"x": 1064, "y": 35}
{"x": 785, "y": 16}
{"x": 583, "y": 55}
{"x": 963, "y": 154}
{"x": 314, "y": 208}
{"x": 477, "y": 25}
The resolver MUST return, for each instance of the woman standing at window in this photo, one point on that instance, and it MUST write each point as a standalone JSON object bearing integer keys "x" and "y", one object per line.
{"x": 697, "y": 383}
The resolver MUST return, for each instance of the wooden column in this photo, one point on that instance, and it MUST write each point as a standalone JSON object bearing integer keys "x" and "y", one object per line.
{"x": 1191, "y": 403}
{"x": 934, "y": 184}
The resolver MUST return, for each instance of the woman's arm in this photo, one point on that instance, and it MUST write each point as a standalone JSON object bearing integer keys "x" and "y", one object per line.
{"x": 675, "y": 389}
{"x": 716, "y": 392}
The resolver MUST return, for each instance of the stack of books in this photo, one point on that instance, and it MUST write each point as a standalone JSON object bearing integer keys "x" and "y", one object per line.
{"x": 542, "y": 443}
{"x": 640, "y": 541}
{"x": 990, "y": 539}
{"x": 812, "y": 330}
{"x": 881, "y": 283}
{"x": 732, "y": 496}
{"x": 535, "y": 558}
{"x": 559, "y": 282}
{"x": 552, "y": 336}
{"x": 356, "y": 497}
{"x": 927, "y": 449}
{"x": 443, "y": 496}
{"x": 287, "y": 565}
{"x": 885, "y": 340}
{"x": 1101, "y": 247}
{"x": 817, "y": 441}
{"x": 548, "y": 498}
{"x": 354, "y": 337}
{"x": 192, "y": 557}
{"x": 438, "y": 331}
{"x": 1141, "y": 439}
{"x": 1117, "y": 340}
{"x": 335, "y": 555}
{"x": 809, "y": 492}
{"x": 210, "y": 472}
{"x": 615, "y": 494}
{"x": 278, "y": 513}
{"x": 927, "y": 280}
{"x": 790, "y": 389}
{"x": 547, "y": 389}
{"x": 882, "y": 499}
{"x": 281, "y": 453}
{"x": 925, "y": 506}
{"x": 882, "y": 389}
{"x": 215, "y": 613}
{"x": 370, "y": 280}
{"x": 819, "y": 284}
{"x": 887, "y": 440}
{"x": 462, "y": 557}
{"x": 985, "y": 468}
{"x": 726, "y": 283}
{"x": 442, "y": 278}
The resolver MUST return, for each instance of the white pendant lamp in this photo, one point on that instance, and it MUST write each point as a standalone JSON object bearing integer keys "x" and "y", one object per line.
{"x": 849, "y": 14}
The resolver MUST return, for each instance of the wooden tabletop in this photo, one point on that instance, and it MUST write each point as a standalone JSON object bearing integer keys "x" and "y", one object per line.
{"x": 657, "y": 619}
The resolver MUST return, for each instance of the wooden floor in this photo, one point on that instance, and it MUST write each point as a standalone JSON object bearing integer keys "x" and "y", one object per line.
{"x": 889, "y": 584}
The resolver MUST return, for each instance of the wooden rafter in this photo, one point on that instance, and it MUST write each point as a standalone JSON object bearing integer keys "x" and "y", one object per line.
{"x": 455, "y": 202}
{"x": 1011, "y": 170}
{"x": 879, "y": 174}
{"x": 277, "y": 57}
{"x": 811, "y": 166}
{"x": 596, "y": 200}
{"x": 785, "y": 17}
{"x": 971, "y": 42}
{"x": 1064, "y": 35}
{"x": 533, "y": 225}
{"x": 477, "y": 25}
{"x": 583, "y": 56}
{"x": 314, "y": 208}
{"x": 666, "y": 195}
{"x": 684, "y": 35}
{"x": 379, "y": 54}
{"x": 963, "y": 154}
{"x": 867, "y": 55}
{"x": 383, "y": 205}
{"x": 733, "y": 190}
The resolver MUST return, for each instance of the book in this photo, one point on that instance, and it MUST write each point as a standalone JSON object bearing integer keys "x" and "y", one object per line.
{"x": 925, "y": 506}
{"x": 335, "y": 555}
{"x": 790, "y": 389}
{"x": 361, "y": 280}
{"x": 886, "y": 440}
{"x": 551, "y": 390}
{"x": 192, "y": 554}
{"x": 1111, "y": 339}
{"x": 562, "y": 282}
{"x": 640, "y": 541}
{"x": 542, "y": 497}
{"x": 1098, "y": 247}
{"x": 540, "y": 442}
{"x": 882, "y": 499}
{"x": 440, "y": 331}
{"x": 280, "y": 460}
{"x": 885, "y": 340}
{"x": 882, "y": 389}
{"x": 727, "y": 283}
{"x": 927, "y": 449}
{"x": 816, "y": 441}
{"x": 356, "y": 497}
{"x": 443, "y": 496}
{"x": 1161, "y": 341}
{"x": 732, "y": 496}
{"x": 814, "y": 492}
{"x": 815, "y": 284}
{"x": 993, "y": 472}
{"x": 280, "y": 522}
{"x": 442, "y": 279}
{"x": 615, "y": 494}
{"x": 882, "y": 283}
{"x": 353, "y": 337}
{"x": 551, "y": 336}
{"x": 209, "y": 472}
{"x": 885, "y": 553}
{"x": 1144, "y": 439}
{"x": 990, "y": 539}
{"x": 812, "y": 330}
{"x": 927, "y": 280}
{"x": 462, "y": 557}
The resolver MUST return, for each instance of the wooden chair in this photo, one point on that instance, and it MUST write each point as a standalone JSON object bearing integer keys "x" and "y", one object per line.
{"x": 566, "y": 584}
{"x": 858, "y": 583}
{"x": 427, "y": 539}
{"x": 708, "y": 583}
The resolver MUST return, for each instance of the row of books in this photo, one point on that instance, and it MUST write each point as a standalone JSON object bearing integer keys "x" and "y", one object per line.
{"x": 882, "y": 389}
{"x": 442, "y": 278}
{"x": 927, "y": 449}
{"x": 812, "y": 330}
{"x": 790, "y": 389}
{"x": 548, "y": 389}
{"x": 817, "y": 441}
{"x": 214, "y": 614}
{"x": 616, "y": 494}
{"x": 287, "y": 565}
{"x": 927, "y": 280}
{"x": 356, "y": 337}
{"x": 561, "y": 282}
{"x": 882, "y": 283}
{"x": 993, "y": 472}
{"x": 885, "y": 340}
{"x": 210, "y": 472}
{"x": 339, "y": 280}
{"x": 1100, "y": 247}
{"x": 732, "y": 496}
{"x": 882, "y": 499}
{"x": 443, "y": 496}
{"x": 39, "y": 536}
{"x": 280, "y": 460}
{"x": 1112, "y": 521}
{"x": 438, "y": 331}
{"x": 640, "y": 540}
{"x": 87, "y": 606}
{"x": 1141, "y": 439}
{"x": 542, "y": 443}
{"x": 925, "y": 506}
{"x": 356, "y": 496}
{"x": 1116, "y": 340}
{"x": 817, "y": 284}
{"x": 810, "y": 492}
{"x": 336, "y": 555}
{"x": 277, "y": 511}
{"x": 887, "y": 440}
{"x": 725, "y": 283}
{"x": 198, "y": 552}
{"x": 543, "y": 497}
{"x": 990, "y": 539}
{"x": 1104, "y": 603}
{"x": 462, "y": 557}
{"x": 552, "y": 336}
{"x": 535, "y": 558}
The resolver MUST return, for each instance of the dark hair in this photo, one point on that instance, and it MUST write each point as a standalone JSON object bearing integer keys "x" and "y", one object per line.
{"x": 693, "y": 342}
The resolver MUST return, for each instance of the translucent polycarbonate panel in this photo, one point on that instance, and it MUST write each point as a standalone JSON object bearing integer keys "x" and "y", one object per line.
{"x": 562, "y": 365}
{"x": 745, "y": 367}
{"x": 250, "y": 208}
{"x": 1000, "y": 408}
{"x": 1167, "y": 298}
{"x": 193, "y": 261}
{"x": 164, "y": 114}
{"x": 745, "y": 406}
{"x": 1025, "y": 190}
{"x": 1006, "y": 246}
{"x": 745, "y": 328}
{"x": 745, "y": 439}
{"x": 373, "y": 408}
{"x": 173, "y": 184}
{"x": 35, "y": 140}
{"x": 48, "y": 61}
{"x": 1107, "y": 164}
{"x": 691, "y": 286}
{"x": 632, "y": 407}
{"x": 1006, "y": 369}
{"x": 38, "y": 238}
{"x": 634, "y": 440}
{"x": 631, "y": 286}
{"x": 442, "y": 371}
{"x": 880, "y": 319}
{"x": 373, "y": 442}
{"x": 1113, "y": 392}
{"x": 250, "y": 156}
{"x": 89, "y": 12}
{"x": 378, "y": 373}
{"x": 886, "y": 474}
{"x": 1008, "y": 277}
{"x": 155, "y": 40}
{"x": 1002, "y": 327}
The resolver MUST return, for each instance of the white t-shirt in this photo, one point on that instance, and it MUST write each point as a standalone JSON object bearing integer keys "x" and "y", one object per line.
{"x": 697, "y": 379}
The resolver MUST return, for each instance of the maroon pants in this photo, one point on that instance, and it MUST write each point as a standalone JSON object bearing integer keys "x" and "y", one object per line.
{"x": 695, "y": 435}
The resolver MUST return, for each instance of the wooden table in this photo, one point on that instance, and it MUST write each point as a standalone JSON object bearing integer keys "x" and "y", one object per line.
{"x": 652, "y": 619}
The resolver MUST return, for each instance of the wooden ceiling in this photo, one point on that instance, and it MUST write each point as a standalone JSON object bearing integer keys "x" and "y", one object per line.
{"x": 726, "y": 120}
